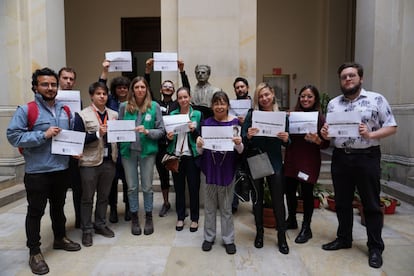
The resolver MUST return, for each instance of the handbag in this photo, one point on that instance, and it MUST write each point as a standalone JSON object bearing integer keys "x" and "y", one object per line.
{"x": 260, "y": 165}
{"x": 243, "y": 185}
{"x": 170, "y": 162}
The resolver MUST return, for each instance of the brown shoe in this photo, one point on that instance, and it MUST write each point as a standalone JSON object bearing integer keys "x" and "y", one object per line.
{"x": 66, "y": 244}
{"x": 38, "y": 265}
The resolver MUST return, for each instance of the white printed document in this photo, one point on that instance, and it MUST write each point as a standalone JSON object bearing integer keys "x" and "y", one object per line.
{"x": 176, "y": 123}
{"x": 120, "y": 61}
{"x": 269, "y": 123}
{"x": 343, "y": 124}
{"x": 218, "y": 138}
{"x": 70, "y": 98}
{"x": 165, "y": 61}
{"x": 121, "y": 131}
{"x": 303, "y": 122}
{"x": 68, "y": 142}
{"x": 240, "y": 107}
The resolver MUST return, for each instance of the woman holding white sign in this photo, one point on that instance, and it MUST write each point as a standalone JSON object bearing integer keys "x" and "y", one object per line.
{"x": 219, "y": 168}
{"x": 183, "y": 145}
{"x": 265, "y": 100}
{"x": 303, "y": 163}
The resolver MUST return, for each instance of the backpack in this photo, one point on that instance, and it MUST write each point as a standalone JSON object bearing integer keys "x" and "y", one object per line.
{"x": 33, "y": 113}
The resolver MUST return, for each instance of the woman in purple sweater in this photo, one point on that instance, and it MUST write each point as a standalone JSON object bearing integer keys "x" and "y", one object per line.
{"x": 302, "y": 164}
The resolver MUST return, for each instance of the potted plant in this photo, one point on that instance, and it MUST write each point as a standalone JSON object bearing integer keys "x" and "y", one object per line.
{"x": 390, "y": 204}
{"x": 318, "y": 197}
{"x": 330, "y": 199}
{"x": 324, "y": 103}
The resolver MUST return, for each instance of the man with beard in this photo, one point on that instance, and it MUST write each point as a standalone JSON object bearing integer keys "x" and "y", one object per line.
{"x": 356, "y": 160}
{"x": 46, "y": 174}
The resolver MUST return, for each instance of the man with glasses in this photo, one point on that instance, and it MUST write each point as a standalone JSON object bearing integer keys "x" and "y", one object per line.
{"x": 356, "y": 160}
{"x": 167, "y": 104}
{"x": 46, "y": 174}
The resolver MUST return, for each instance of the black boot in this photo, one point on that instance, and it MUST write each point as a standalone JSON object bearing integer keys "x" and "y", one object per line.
{"x": 127, "y": 215}
{"x": 305, "y": 233}
{"x": 291, "y": 222}
{"x": 281, "y": 241}
{"x": 258, "y": 241}
{"x": 149, "y": 225}
{"x": 135, "y": 228}
{"x": 113, "y": 214}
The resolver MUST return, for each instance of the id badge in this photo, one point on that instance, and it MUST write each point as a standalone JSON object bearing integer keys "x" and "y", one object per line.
{"x": 148, "y": 117}
{"x": 303, "y": 176}
{"x": 105, "y": 152}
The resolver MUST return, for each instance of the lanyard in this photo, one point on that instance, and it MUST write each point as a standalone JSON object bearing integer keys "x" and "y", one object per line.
{"x": 99, "y": 117}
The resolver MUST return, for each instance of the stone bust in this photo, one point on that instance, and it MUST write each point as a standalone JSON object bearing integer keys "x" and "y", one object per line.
{"x": 203, "y": 91}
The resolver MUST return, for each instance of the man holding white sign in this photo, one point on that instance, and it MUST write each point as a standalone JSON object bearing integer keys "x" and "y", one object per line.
{"x": 356, "y": 160}
{"x": 46, "y": 174}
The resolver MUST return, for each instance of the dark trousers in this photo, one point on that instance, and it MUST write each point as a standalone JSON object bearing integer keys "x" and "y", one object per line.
{"x": 163, "y": 173}
{"x": 41, "y": 187}
{"x": 363, "y": 172}
{"x": 76, "y": 186}
{"x": 119, "y": 174}
{"x": 276, "y": 187}
{"x": 306, "y": 196}
{"x": 188, "y": 172}
{"x": 97, "y": 179}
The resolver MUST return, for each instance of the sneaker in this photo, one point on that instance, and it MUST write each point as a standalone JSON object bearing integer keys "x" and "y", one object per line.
{"x": 38, "y": 265}
{"x": 230, "y": 248}
{"x": 164, "y": 209}
{"x": 105, "y": 231}
{"x": 207, "y": 245}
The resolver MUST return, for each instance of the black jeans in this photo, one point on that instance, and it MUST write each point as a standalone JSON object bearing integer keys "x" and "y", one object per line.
{"x": 41, "y": 187}
{"x": 307, "y": 197}
{"x": 188, "y": 172}
{"x": 363, "y": 171}
{"x": 163, "y": 173}
{"x": 276, "y": 186}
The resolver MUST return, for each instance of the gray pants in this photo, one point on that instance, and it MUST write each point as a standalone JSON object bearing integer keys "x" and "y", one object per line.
{"x": 221, "y": 196}
{"x": 97, "y": 179}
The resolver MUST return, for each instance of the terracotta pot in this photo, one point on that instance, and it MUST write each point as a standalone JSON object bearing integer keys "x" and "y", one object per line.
{"x": 299, "y": 208}
{"x": 389, "y": 210}
{"x": 269, "y": 220}
{"x": 331, "y": 203}
{"x": 361, "y": 213}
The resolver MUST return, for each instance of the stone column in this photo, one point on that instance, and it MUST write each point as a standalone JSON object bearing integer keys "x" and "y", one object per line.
{"x": 32, "y": 35}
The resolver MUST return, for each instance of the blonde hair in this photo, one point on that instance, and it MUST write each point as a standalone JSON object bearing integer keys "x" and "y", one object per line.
{"x": 259, "y": 88}
{"x": 132, "y": 105}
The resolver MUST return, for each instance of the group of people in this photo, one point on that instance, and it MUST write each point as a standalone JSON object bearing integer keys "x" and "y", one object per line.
{"x": 355, "y": 161}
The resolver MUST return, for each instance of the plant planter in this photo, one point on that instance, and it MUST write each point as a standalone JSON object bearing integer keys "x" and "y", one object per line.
{"x": 361, "y": 213}
{"x": 331, "y": 204}
{"x": 269, "y": 220}
{"x": 389, "y": 210}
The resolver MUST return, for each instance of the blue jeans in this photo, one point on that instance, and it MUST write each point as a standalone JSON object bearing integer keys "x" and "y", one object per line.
{"x": 146, "y": 168}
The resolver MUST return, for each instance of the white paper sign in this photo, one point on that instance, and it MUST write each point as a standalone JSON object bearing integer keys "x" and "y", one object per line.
{"x": 121, "y": 131}
{"x": 165, "y": 61}
{"x": 240, "y": 107}
{"x": 303, "y": 122}
{"x": 120, "y": 61}
{"x": 68, "y": 142}
{"x": 269, "y": 123}
{"x": 343, "y": 124}
{"x": 70, "y": 98}
{"x": 176, "y": 123}
{"x": 218, "y": 138}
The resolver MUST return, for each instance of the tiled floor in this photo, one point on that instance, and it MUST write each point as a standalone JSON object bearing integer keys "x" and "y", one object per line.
{"x": 167, "y": 252}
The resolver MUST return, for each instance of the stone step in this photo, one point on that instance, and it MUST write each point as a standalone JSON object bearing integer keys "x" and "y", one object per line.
{"x": 11, "y": 194}
{"x": 7, "y": 181}
{"x": 400, "y": 191}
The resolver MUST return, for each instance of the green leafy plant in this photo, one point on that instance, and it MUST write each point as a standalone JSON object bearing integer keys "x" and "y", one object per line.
{"x": 324, "y": 102}
{"x": 387, "y": 201}
{"x": 386, "y": 168}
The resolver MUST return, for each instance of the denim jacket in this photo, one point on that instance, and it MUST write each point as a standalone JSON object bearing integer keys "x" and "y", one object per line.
{"x": 36, "y": 148}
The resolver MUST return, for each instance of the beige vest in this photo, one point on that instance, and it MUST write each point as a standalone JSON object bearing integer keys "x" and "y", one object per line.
{"x": 93, "y": 153}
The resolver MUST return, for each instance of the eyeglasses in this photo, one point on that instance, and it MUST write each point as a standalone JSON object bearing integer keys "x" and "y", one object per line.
{"x": 168, "y": 87}
{"x": 351, "y": 76}
{"x": 46, "y": 84}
